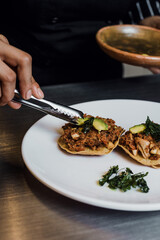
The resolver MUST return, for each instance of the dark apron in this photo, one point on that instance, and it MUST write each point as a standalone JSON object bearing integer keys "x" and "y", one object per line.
{"x": 60, "y": 36}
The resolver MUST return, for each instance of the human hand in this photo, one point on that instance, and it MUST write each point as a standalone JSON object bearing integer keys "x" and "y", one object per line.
{"x": 154, "y": 70}
{"x": 16, "y": 64}
{"x": 155, "y": 23}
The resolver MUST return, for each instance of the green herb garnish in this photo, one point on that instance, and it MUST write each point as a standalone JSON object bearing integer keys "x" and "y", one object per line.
{"x": 152, "y": 129}
{"x": 88, "y": 124}
{"x": 124, "y": 180}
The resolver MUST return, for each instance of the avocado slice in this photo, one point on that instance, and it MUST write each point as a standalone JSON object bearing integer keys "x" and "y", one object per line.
{"x": 137, "y": 128}
{"x": 99, "y": 124}
{"x": 81, "y": 121}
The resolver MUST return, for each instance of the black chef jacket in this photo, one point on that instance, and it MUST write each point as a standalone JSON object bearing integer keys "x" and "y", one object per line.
{"x": 60, "y": 36}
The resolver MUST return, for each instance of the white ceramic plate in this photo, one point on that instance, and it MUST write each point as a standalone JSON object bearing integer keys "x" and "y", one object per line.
{"x": 76, "y": 176}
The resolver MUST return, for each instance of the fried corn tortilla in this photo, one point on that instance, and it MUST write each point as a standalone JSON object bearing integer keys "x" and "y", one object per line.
{"x": 141, "y": 145}
{"x": 139, "y": 158}
{"x": 87, "y": 150}
{"x": 93, "y": 142}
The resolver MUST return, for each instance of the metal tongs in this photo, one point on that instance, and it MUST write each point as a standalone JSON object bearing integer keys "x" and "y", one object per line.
{"x": 66, "y": 113}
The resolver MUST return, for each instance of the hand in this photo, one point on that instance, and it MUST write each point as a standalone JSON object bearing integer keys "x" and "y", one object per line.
{"x": 155, "y": 23}
{"x": 154, "y": 70}
{"x": 151, "y": 22}
{"x": 16, "y": 64}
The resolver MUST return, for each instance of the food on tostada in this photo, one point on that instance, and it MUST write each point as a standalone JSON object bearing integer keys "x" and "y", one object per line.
{"x": 142, "y": 143}
{"x": 92, "y": 136}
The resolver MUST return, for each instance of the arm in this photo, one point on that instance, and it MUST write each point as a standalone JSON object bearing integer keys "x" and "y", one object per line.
{"x": 15, "y": 64}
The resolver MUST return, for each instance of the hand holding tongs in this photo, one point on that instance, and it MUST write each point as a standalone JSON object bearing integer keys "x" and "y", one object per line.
{"x": 55, "y": 109}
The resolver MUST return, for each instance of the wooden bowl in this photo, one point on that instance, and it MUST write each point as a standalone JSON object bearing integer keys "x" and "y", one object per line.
{"x": 131, "y": 44}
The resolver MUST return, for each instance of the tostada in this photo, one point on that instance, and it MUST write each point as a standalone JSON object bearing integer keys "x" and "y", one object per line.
{"x": 92, "y": 136}
{"x": 142, "y": 143}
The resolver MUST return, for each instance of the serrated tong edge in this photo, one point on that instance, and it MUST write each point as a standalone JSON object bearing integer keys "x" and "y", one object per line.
{"x": 58, "y": 110}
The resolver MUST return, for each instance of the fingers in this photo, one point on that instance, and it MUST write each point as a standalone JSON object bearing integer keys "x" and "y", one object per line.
{"x": 24, "y": 73}
{"x": 3, "y": 39}
{"x": 11, "y": 57}
{"x": 36, "y": 90}
{"x": 153, "y": 21}
{"x": 14, "y": 105}
{"x": 8, "y": 78}
{"x": 155, "y": 70}
{"x": 8, "y": 81}
{"x": 22, "y": 61}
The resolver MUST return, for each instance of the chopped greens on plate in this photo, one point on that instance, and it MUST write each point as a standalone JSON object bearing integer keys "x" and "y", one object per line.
{"x": 124, "y": 180}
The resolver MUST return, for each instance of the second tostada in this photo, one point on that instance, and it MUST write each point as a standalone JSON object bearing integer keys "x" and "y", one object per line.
{"x": 142, "y": 143}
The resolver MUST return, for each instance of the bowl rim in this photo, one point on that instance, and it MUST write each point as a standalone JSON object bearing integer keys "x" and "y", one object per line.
{"x": 113, "y": 49}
